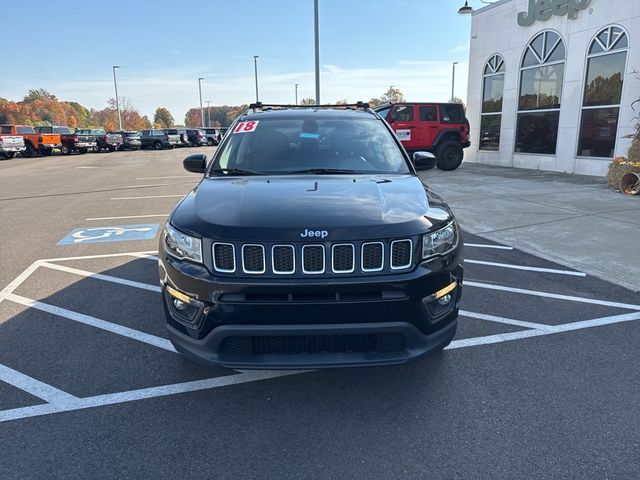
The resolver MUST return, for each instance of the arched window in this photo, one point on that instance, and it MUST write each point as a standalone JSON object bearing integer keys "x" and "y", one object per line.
{"x": 606, "y": 64}
{"x": 492, "y": 93}
{"x": 541, "y": 79}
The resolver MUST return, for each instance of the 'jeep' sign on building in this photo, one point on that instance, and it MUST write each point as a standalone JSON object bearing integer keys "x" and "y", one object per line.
{"x": 542, "y": 10}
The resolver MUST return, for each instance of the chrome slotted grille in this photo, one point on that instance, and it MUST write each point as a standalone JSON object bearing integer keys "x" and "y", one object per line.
{"x": 283, "y": 259}
{"x": 401, "y": 254}
{"x": 372, "y": 257}
{"x": 313, "y": 259}
{"x": 253, "y": 260}
{"x": 343, "y": 258}
{"x": 224, "y": 257}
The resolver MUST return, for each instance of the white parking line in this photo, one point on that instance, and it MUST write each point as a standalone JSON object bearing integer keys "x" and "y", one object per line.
{"x": 507, "y": 321}
{"x": 19, "y": 280}
{"x": 150, "y": 196}
{"x": 128, "y": 216}
{"x": 141, "y": 394}
{"x": 94, "y": 322}
{"x": 556, "y": 296}
{"x": 104, "y": 255}
{"x": 34, "y": 387}
{"x": 156, "y": 185}
{"x": 99, "y": 276}
{"x": 549, "y": 330}
{"x": 524, "y": 267}
{"x": 495, "y": 247}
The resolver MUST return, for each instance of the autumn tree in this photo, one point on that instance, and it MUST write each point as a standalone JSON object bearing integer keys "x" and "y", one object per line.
{"x": 163, "y": 118}
{"x": 459, "y": 101}
{"x": 307, "y": 101}
{"x": 393, "y": 95}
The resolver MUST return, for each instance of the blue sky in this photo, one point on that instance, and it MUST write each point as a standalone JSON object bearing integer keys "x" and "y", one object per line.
{"x": 164, "y": 46}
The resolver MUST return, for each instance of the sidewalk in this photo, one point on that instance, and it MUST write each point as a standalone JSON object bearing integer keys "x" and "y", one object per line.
{"x": 571, "y": 219}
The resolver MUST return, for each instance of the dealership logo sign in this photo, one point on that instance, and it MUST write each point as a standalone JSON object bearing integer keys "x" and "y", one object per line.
{"x": 543, "y": 10}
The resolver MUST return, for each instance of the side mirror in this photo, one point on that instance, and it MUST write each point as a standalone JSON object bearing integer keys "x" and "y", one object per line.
{"x": 196, "y": 163}
{"x": 424, "y": 160}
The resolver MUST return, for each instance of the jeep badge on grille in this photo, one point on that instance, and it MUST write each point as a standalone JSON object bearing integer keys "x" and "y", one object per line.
{"x": 314, "y": 233}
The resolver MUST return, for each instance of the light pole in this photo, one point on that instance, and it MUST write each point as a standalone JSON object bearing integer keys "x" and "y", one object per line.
{"x": 297, "y": 85}
{"x": 208, "y": 102}
{"x": 255, "y": 68}
{"x": 453, "y": 81}
{"x": 201, "y": 110}
{"x": 317, "y": 48}
{"x": 115, "y": 84}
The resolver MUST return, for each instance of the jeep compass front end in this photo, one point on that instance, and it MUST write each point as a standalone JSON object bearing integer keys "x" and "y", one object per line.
{"x": 310, "y": 242}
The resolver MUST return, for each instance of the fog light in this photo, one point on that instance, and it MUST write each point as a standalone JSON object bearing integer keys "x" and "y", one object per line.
{"x": 179, "y": 304}
{"x": 446, "y": 300}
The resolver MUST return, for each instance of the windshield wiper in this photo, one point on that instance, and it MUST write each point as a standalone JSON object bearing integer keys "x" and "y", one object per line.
{"x": 235, "y": 171}
{"x": 324, "y": 171}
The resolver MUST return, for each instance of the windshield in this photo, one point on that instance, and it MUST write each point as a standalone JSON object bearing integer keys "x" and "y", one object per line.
{"x": 308, "y": 145}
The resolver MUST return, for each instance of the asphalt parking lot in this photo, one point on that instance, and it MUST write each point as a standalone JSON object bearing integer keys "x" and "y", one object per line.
{"x": 540, "y": 382}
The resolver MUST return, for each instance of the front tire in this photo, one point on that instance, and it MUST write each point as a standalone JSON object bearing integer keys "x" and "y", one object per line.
{"x": 83, "y": 150}
{"x": 65, "y": 150}
{"x": 157, "y": 145}
{"x": 96, "y": 149}
{"x": 449, "y": 155}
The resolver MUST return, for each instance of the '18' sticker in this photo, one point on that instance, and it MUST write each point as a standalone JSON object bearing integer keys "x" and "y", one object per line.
{"x": 246, "y": 127}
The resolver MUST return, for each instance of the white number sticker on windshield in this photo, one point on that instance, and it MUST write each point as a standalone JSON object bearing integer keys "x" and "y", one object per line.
{"x": 246, "y": 127}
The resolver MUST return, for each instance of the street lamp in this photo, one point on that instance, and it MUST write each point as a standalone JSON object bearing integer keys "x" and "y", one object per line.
{"x": 208, "y": 102}
{"x": 453, "y": 81}
{"x": 297, "y": 85}
{"x": 466, "y": 9}
{"x": 255, "y": 67}
{"x": 317, "y": 48}
{"x": 115, "y": 84}
{"x": 201, "y": 110}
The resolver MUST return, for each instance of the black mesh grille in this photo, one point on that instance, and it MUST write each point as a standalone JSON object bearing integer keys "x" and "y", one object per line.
{"x": 343, "y": 258}
{"x": 312, "y": 344}
{"x": 253, "y": 258}
{"x": 372, "y": 256}
{"x": 223, "y": 254}
{"x": 401, "y": 254}
{"x": 283, "y": 259}
{"x": 313, "y": 258}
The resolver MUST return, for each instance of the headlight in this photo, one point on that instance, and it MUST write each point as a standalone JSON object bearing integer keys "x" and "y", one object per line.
{"x": 181, "y": 245}
{"x": 440, "y": 242}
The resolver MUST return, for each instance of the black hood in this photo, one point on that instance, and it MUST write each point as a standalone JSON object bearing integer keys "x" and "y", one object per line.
{"x": 279, "y": 208}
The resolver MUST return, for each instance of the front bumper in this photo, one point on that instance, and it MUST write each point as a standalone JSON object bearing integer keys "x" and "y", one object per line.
{"x": 85, "y": 144}
{"x": 306, "y": 323}
{"x": 12, "y": 149}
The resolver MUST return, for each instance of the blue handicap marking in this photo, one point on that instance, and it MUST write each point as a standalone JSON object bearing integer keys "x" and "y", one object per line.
{"x": 115, "y": 233}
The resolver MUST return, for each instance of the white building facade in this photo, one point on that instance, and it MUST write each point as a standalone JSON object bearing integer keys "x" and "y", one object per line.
{"x": 552, "y": 83}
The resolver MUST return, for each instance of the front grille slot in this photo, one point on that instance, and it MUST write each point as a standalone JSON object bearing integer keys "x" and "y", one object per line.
{"x": 372, "y": 259}
{"x": 253, "y": 260}
{"x": 224, "y": 257}
{"x": 401, "y": 254}
{"x": 283, "y": 259}
{"x": 256, "y": 345}
{"x": 343, "y": 257}
{"x": 313, "y": 259}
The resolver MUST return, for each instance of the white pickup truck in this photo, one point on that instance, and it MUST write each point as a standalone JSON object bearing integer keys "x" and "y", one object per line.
{"x": 10, "y": 144}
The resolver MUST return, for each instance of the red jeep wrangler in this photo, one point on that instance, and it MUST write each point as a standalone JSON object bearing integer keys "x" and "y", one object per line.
{"x": 439, "y": 128}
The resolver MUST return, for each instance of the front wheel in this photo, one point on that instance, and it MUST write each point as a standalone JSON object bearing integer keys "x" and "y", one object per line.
{"x": 96, "y": 149}
{"x": 65, "y": 150}
{"x": 47, "y": 152}
{"x": 112, "y": 149}
{"x": 449, "y": 155}
{"x": 210, "y": 142}
{"x": 83, "y": 150}
{"x": 158, "y": 145}
{"x": 7, "y": 155}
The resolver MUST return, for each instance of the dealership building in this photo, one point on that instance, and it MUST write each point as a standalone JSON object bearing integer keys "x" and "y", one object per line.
{"x": 552, "y": 83}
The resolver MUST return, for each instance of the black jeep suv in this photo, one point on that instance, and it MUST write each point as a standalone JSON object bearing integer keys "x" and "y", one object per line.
{"x": 310, "y": 242}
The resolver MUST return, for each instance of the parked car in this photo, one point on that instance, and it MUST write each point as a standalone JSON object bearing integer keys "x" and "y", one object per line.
{"x": 197, "y": 137}
{"x": 10, "y": 144}
{"x": 182, "y": 135}
{"x": 262, "y": 266}
{"x": 158, "y": 139}
{"x": 440, "y": 128}
{"x": 130, "y": 140}
{"x": 71, "y": 141}
{"x": 42, "y": 143}
{"x": 212, "y": 136}
{"x": 104, "y": 140}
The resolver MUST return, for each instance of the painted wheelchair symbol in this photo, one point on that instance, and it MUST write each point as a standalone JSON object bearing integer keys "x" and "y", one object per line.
{"x": 107, "y": 232}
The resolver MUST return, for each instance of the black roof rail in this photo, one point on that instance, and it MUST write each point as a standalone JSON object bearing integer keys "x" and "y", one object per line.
{"x": 271, "y": 106}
